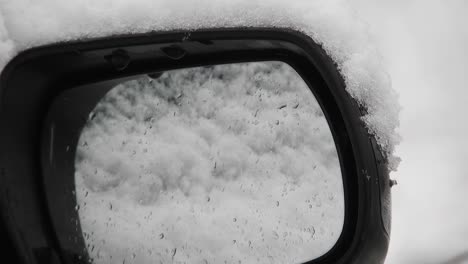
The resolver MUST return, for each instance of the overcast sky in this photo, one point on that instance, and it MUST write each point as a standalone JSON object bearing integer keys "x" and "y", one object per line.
{"x": 425, "y": 44}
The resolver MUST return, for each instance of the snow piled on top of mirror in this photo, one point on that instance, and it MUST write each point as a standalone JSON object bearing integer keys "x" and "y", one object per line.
{"x": 331, "y": 23}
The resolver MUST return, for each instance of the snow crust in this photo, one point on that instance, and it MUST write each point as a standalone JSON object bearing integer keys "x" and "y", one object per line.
{"x": 224, "y": 164}
{"x": 25, "y": 24}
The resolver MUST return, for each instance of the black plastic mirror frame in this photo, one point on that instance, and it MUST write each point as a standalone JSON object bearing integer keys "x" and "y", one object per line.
{"x": 34, "y": 207}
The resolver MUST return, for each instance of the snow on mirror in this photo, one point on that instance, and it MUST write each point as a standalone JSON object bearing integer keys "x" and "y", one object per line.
{"x": 222, "y": 164}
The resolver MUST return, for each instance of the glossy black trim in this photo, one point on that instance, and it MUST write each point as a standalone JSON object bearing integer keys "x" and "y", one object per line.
{"x": 36, "y": 195}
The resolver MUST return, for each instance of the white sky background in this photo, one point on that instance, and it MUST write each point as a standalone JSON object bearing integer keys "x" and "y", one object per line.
{"x": 425, "y": 45}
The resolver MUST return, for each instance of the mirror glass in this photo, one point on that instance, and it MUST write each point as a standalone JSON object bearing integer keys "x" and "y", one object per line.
{"x": 221, "y": 164}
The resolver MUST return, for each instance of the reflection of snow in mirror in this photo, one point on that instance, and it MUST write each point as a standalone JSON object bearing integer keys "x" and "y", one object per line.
{"x": 212, "y": 164}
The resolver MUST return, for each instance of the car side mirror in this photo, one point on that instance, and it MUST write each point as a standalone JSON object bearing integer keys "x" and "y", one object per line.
{"x": 227, "y": 145}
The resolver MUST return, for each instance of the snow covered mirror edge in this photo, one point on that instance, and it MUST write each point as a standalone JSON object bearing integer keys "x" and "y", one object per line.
{"x": 45, "y": 165}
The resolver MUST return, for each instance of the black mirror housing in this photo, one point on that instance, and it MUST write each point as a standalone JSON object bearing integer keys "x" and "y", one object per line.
{"x": 36, "y": 206}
